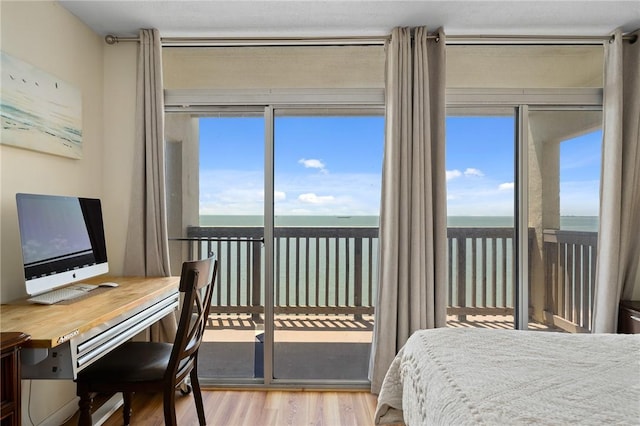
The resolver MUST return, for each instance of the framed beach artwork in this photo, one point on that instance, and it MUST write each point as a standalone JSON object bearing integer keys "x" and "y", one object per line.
{"x": 39, "y": 111}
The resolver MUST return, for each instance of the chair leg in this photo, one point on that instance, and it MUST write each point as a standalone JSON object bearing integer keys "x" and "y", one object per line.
{"x": 197, "y": 396}
{"x": 126, "y": 408}
{"x": 84, "y": 419}
{"x": 169, "y": 403}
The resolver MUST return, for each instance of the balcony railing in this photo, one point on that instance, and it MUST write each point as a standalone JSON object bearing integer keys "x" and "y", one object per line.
{"x": 570, "y": 269}
{"x": 321, "y": 270}
{"x": 318, "y": 270}
{"x": 480, "y": 271}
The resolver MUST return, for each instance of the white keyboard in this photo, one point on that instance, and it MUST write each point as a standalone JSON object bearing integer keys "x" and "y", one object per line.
{"x": 66, "y": 293}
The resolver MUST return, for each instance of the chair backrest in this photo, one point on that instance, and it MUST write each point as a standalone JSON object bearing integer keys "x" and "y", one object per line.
{"x": 196, "y": 285}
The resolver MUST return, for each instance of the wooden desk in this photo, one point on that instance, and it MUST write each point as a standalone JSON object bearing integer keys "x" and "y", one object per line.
{"x": 65, "y": 338}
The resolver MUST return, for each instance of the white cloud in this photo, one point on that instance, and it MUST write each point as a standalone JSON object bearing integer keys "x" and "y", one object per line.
{"x": 473, "y": 172}
{"x": 313, "y": 164}
{"x": 507, "y": 186}
{"x": 452, "y": 174}
{"x": 469, "y": 172}
{"x": 226, "y": 192}
{"x": 312, "y": 198}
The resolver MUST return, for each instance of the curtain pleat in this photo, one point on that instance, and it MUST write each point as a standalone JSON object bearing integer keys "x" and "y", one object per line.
{"x": 147, "y": 248}
{"x": 412, "y": 245}
{"x": 619, "y": 232}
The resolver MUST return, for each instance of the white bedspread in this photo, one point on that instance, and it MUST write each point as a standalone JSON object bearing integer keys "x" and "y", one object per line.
{"x": 452, "y": 376}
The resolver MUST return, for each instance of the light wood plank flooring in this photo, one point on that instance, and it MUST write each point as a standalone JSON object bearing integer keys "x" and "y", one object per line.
{"x": 257, "y": 408}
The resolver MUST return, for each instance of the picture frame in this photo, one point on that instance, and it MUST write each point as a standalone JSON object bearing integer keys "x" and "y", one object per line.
{"x": 39, "y": 111}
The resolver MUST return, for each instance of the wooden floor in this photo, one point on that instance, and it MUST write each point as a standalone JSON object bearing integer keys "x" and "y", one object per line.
{"x": 257, "y": 408}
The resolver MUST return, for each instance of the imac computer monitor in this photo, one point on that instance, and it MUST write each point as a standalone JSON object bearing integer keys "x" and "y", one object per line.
{"x": 62, "y": 240}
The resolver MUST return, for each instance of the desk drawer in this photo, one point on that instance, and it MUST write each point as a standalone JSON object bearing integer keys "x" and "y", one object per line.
{"x": 65, "y": 360}
{"x": 95, "y": 347}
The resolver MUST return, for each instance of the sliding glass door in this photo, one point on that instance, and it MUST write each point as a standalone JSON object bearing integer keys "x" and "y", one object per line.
{"x": 565, "y": 147}
{"x": 216, "y": 170}
{"x": 327, "y": 177}
{"x": 288, "y": 200}
{"x": 481, "y": 217}
{"x": 523, "y": 196}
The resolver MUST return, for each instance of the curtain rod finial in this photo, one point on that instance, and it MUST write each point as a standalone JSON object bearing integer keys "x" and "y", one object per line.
{"x": 110, "y": 39}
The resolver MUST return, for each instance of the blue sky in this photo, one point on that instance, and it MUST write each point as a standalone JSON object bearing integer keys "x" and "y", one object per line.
{"x": 332, "y": 166}
{"x": 580, "y": 160}
{"x": 479, "y": 163}
{"x": 323, "y": 166}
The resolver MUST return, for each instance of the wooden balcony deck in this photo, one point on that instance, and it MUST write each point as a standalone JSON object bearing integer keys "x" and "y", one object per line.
{"x": 325, "y": 285}
{"x": 333, "y": 328}
{"x": 308, "y": 346}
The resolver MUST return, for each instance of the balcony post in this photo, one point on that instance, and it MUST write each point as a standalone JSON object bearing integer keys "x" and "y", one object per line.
{"x": 462, "y": 275}
{"x": 357, "y": 277}
{"x": 256, "y": 279}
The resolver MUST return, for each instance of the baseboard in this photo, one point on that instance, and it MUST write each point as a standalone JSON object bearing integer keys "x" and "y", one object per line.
{"x": 62, "y": 415}
{"x": 107, "y": 409}
{"x": 99, "y": 416}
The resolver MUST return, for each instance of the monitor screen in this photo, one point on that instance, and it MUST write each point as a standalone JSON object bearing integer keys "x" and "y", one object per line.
{"x": 62, "y": 240}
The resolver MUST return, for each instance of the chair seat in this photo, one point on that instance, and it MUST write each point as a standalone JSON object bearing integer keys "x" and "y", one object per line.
{"x": 130, "y": 362}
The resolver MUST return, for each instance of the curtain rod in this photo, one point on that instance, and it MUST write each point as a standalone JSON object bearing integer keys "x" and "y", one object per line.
{"x": 328, "y": 41}
{"x": 533, "y": 39}
{"x": 281, "y": 41}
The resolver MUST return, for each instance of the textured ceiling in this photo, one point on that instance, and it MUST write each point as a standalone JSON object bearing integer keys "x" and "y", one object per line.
{"x": 311, "y": 18}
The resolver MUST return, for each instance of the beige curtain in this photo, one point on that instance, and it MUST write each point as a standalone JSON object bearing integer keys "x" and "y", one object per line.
{"x": 413, "y": 230}
{"x": 147, "y": 249}
{"x": 619, "y": 233}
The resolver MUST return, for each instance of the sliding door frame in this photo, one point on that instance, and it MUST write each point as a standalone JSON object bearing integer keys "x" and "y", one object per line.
{"x": 522, "y": 101}
{"x": 229, "y": 102}
{"x": 213, "y": 102}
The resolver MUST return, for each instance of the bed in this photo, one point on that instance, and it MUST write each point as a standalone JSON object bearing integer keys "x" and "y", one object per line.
{"x": 455, "y": 376}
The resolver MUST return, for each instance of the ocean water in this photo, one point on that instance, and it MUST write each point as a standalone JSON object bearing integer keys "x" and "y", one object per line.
{"x": 569, "y": 223}
{"x": 328, "y": 284}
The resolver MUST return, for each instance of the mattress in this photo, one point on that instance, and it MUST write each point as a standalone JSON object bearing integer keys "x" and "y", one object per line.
{"x": 450, "y": 376}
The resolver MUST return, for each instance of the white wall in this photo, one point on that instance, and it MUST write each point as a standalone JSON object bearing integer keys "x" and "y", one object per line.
{"x": 524, "y": 66}
{"x": 119, "y": 134}
{"x": 274, "y": 67}
{"x": 47, "y": 36}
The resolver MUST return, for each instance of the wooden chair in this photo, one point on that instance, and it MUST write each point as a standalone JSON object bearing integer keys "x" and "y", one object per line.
{"x": 153, "y": 366}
